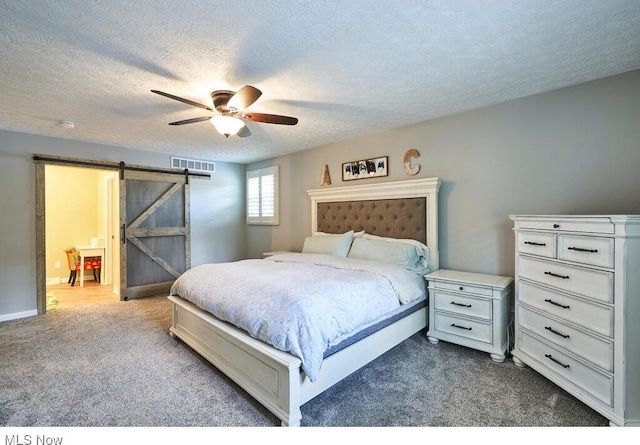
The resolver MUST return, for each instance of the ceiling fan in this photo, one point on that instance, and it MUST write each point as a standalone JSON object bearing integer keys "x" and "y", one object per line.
{"x": 230, "y": 106}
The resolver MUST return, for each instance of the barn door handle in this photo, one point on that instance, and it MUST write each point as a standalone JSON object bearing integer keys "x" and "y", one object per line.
{"x": 123, "y": 238}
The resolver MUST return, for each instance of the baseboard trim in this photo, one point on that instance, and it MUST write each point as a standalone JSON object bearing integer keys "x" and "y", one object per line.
{"x": 18, "y": 315}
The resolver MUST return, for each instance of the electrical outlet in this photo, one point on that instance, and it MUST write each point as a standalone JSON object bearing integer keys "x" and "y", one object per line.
{"x": 57, "y": 264}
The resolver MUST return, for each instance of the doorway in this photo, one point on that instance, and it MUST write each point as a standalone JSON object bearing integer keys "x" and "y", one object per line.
{"x": 81, "y": 208}
{"x": 148, "y": 230}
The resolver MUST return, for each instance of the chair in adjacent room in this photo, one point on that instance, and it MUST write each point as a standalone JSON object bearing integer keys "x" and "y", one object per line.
{"x": 73, "y": 260}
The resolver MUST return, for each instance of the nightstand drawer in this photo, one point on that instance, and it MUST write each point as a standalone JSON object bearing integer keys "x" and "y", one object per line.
{"x": 590, "y": 225}
{"x": 586, "y": 250}
{"x": 471, "y": 329}
{"x": 593, "y": 348}
{"x": 543, "y": 244}
{"x": 591, "y": 283}
{"x": 593, "y": 316}
{"x": 464, "y": 287}
{"x": 463, "y": 305}
{"x": 598, "y": 384}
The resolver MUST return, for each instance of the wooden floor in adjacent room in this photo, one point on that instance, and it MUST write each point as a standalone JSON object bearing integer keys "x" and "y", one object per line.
{"x": 64, "y": 295}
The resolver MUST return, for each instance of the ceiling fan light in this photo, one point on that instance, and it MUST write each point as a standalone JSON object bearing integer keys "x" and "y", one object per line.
{"x": 227, "y": 125}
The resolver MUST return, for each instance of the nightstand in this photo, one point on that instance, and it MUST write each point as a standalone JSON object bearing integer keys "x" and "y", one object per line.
{"x": 469, "y": 309}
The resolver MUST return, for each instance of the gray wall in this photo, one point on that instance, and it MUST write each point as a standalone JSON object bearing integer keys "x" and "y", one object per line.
{"x": 217, "y": 216}
{"x": 570, "y": 151}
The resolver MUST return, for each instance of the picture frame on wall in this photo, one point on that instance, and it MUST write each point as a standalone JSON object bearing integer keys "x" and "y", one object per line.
{"x": 366, "y": 168}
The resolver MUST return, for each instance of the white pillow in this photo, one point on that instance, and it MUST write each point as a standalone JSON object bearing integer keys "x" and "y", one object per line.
{"x": 420, "y": 252}
{"x": 330, "y": 244}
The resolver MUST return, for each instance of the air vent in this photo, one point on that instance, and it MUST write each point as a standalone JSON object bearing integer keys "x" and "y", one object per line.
{"x": 193, "y": 164}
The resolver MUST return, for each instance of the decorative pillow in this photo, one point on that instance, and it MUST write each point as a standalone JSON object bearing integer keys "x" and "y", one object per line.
{"x": 330, "y": 244}
{"x": 408, "y": 253}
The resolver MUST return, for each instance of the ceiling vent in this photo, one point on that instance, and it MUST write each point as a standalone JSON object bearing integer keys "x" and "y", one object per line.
{"x": 193, "y": 164}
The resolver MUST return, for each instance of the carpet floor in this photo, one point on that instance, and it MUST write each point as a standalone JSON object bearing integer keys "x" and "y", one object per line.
{"x": 114, "y": 364}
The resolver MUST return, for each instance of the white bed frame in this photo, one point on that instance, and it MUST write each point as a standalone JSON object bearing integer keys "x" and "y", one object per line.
{"x": 275, "y": 378}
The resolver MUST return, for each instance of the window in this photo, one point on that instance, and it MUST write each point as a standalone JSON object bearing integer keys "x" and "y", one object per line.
{"x": 263, "y": 196}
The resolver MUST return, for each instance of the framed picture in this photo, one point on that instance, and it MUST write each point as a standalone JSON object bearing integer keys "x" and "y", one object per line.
{"x": 367, "y": 168}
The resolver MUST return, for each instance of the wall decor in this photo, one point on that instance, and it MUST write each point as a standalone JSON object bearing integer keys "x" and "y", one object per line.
{"x": 325, "y": 179}
{"x": 408, "y": 169}
{"x": 367, "y": 168}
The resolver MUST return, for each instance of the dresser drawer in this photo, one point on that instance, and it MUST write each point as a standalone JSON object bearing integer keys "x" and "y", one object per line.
{"x": 593, "y": 316}
{"x": 593, "y": 348}
{"x": 587, "y": 250}
{"x": 463, "y": 287}
{"x": 590, "y": 225}
{"x": 463, "y": 327}
{"x": 596, "y": 383}
{"x": 463, "y": 305}
{"x": 588, "y": 282}
{"x": 542, "y": 244}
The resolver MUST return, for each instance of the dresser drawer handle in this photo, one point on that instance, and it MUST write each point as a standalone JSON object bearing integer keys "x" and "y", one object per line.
{"x": 556, "y": 226}
{"x": 564, "y": 277}
{"x": 460, "y": 304}
{"x": 556, "y": 361}
{"x": 535, "y": 244}
{"x": 460, "y": 327}
{"x": 580, "y": 249}
{"x": 557, "y": 304}
{"x": 549, "y": 328}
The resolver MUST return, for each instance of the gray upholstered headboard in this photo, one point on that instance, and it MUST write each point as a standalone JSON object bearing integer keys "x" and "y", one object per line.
{"x": 401, "y": 209}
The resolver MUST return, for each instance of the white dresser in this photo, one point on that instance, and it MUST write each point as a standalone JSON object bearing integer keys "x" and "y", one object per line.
{"x": 469, "y": 309}
{"x": 577, "y": 307}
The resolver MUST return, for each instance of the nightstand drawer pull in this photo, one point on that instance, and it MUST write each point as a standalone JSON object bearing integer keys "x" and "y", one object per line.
{"x": 556, "y": 361}
{"x": 580, "y": 249}
{"x": 535, "y": 244}
{"x": 460, "y": 304}
{"x": 564, "y": 277}
{"x": 549, "y": 328}
{"x": 460, "y": 327}
{"x": 556, "y": 304}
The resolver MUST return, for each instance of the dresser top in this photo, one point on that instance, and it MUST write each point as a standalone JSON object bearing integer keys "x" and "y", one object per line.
{"x": 456, "y": 276}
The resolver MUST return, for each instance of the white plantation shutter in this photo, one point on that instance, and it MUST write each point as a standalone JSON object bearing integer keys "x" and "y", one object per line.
{"x": 262, "y": 196}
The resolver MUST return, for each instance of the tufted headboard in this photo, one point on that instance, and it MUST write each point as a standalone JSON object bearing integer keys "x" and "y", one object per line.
{"x": 402, "y": 209}
{"x": 395, "y": 218}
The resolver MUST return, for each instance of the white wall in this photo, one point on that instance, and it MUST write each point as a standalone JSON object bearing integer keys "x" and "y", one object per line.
{"x": 217, "y": 205}
{"x": 574, "y": 150}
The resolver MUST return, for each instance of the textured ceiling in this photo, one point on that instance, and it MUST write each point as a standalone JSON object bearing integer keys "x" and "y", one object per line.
{"x": 344, "y": 68}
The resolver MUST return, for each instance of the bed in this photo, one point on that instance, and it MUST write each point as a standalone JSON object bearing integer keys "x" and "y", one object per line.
{"x": 284, "y": 381}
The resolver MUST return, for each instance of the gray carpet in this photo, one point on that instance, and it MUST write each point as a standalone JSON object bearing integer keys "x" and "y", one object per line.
{"x": 114, "y": 364}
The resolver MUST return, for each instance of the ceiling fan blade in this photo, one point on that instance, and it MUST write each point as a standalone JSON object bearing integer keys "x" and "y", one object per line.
{"x": 191, "y": 121}
{"x": 243, "y": 98}
{"x": 271, "y": 118}
{"x": 244, "y": 132}
{"x": 182, "y": 99}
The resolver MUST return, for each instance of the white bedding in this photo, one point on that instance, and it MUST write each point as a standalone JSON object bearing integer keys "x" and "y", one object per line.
{"x": 300, "y": 303}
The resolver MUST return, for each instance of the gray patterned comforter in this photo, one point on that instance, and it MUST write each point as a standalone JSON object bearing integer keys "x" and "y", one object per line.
{"x": 300, "y": 303}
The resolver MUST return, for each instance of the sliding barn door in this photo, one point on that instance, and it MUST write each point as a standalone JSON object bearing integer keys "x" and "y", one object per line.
{"x": 155, "y": 236}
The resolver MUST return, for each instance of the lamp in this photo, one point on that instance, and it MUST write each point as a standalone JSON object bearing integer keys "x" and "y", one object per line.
{"x": 227, "y": 125}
